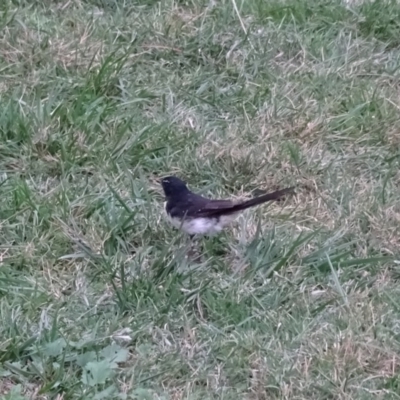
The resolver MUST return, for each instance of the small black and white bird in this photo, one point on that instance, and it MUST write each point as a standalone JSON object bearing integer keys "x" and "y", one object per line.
{"x": 197, "y": 215}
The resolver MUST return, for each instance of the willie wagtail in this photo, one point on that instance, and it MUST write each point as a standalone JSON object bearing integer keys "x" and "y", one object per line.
{"x": 197, "y": 215}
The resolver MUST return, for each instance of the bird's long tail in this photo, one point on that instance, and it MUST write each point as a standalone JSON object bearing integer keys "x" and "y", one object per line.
{"x": 257, "y": 200}
{"x": 263, "y": 199}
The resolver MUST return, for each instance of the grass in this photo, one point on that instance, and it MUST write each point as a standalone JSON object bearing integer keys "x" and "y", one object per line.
{"x": 298, "y": 300}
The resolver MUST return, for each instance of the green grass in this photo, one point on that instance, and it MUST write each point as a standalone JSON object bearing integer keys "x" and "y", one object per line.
{"x": 298, "y": 300}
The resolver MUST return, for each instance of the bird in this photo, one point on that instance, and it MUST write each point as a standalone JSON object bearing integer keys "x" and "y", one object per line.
{"x": 200, "y": 216}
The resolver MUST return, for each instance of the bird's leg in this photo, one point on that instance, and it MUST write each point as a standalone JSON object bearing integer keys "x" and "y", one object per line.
{"x": 192, "y": 243}
{"x": 193, "y": 252}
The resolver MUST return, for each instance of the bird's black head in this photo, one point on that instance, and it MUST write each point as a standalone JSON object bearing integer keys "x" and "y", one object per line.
{"x": 173, "y": 186}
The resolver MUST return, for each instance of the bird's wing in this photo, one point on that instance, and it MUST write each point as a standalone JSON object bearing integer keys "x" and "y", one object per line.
{"x": 215, "y": 208}
{"x": 203, "y": 207}
{"x": 218, "y": 204}
{"x": 195, "y": 205}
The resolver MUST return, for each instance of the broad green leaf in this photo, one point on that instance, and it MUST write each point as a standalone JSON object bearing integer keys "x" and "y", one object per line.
{"x": 14, "y": 394}
{"x": 106, "y": 393}
{"x": 83, "y": 359}
{"x": 54, "y": 349}
{"x": 97, "y": 372}
{"x": 115, "y": 353}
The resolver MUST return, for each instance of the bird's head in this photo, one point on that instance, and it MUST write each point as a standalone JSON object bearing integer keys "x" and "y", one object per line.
{"x": 173, "y": 186}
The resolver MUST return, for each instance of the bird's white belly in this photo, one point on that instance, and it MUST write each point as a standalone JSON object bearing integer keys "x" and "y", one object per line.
{"x": 202, "y": 226}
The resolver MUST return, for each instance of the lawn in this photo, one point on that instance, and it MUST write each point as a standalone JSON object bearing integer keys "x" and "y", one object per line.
{"x": 299, "y": 299}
